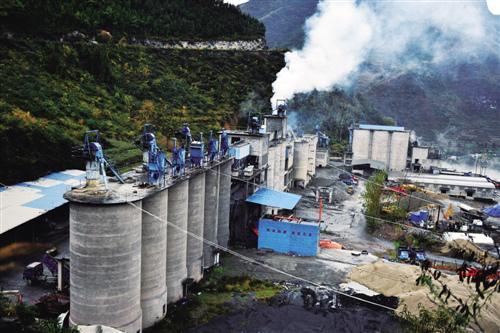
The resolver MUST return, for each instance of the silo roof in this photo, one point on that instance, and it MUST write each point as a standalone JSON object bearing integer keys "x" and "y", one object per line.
{"x": 382, "y": 128}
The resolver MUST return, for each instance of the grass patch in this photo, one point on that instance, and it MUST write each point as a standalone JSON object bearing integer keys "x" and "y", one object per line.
{"x": 216, "y": 295}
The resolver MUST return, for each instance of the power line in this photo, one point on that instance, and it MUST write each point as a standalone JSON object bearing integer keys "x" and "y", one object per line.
{"x": 253, "y": 261}
{"x": 313, "y": 201}
{"x": 383, "y": 186}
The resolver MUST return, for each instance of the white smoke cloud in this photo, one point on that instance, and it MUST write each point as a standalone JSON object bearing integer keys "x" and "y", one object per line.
{"x": 400, "y": 34}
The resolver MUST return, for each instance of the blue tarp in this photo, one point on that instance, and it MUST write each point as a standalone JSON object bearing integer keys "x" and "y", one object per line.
{"x": 419, "y": 216}
{"x": 267, "y": 197}
{"x": 493, "y": 211}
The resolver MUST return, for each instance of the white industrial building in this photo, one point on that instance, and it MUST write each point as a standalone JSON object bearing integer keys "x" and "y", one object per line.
{"x": 380, "y": 147}
{"x": 322, "y": 157}
{"x": 423, "y": 158}
{"x": 460, "y": 186}
{"x": 276, "y": 126}
{"x": 259, "y": 146}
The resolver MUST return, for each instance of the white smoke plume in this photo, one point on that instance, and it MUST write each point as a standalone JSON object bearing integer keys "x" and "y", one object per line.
{"x": 344, "y": 34}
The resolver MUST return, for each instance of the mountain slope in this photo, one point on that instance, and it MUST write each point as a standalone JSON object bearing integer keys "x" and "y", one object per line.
{"x": 456, "y": 103}
{"x": 457, "y": 106}
{"x": 52, "y": 92}
{"x": 284, "y": 20}
{"x": 172, "y": 19}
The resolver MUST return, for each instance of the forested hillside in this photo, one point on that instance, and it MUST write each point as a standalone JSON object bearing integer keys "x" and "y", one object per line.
{"x": 334, "y": 111}
{"x": 51, "y": 92}
{"x": 172, "y": 19}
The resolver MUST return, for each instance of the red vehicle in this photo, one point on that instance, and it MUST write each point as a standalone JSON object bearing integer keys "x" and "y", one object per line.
{"x": 473, "y": 272}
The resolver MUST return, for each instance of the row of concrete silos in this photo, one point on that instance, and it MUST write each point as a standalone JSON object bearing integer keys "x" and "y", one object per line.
{"x": 127, "y": 264}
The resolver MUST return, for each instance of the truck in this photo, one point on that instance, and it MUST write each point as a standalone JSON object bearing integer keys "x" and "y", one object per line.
{"x": 411, "y": 255}
{"x": 34, "y": 273}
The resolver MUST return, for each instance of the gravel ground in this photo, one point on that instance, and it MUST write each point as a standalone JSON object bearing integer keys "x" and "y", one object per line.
{"x": 263, "y": 318}
{"x": 344, "y": 221}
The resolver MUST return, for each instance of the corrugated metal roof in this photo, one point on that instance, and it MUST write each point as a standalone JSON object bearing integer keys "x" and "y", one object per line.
{"x": 268, "y": 197}
{"x": 25, "y": 201}
{"x": 382, "y": 128}
{"x": 435, "y": 179}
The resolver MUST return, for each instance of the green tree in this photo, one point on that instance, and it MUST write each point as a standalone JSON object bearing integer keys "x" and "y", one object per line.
{"x": 372, "y": 195}
{"x": 439, "y": 320}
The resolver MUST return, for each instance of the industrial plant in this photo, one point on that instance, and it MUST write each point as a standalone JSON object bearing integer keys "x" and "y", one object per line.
{"x": 138, "y": 240}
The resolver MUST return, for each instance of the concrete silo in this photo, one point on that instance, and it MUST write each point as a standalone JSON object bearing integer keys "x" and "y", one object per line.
{"x": 154, "y": 258}
{"x": 105, "y": 254}
{"x": 224, "y": 203}
{"x": 300, "y": 161}
{"x": 210, "y": 217}
{"x": 196, "y": 213}
{"x": 177, "y": 239}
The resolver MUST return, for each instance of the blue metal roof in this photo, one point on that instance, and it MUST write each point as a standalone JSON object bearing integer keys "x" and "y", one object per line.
{"x": 268, "y": 197}
{"x": 382, "y": 128}
{"x": 25, "y": 201}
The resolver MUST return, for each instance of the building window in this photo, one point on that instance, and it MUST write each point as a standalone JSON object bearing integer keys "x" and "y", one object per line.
{"x": 310, "y": 235}
{"x": 274, "y": 230}
{"x": 293, "y": 232}
{"x": 279, "y": 231}
{"x": 284, "y": 231}
{"x": 267, "y": 229}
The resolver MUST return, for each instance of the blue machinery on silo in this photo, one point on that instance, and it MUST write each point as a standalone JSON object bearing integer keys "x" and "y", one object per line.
{"x": 96, "y": 162}
{"x": 178, "y": 160}
{"x": 213, "y": 150}
{"x": 197, "y": 149}
{"x": 154, "y": 159}
{"x": 323, "y": 139}
{"x": 135, "y": 233}
{"x": 224, "y": 143}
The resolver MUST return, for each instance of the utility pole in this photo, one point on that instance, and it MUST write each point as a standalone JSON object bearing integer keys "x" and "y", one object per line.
{"x": 437, "y": 220}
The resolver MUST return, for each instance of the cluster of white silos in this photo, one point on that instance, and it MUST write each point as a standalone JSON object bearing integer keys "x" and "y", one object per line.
{"x": 127, "y": 264}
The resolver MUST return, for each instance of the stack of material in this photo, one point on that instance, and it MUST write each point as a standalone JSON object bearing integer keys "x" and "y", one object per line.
{"x": 464, "y": 248}
{"x": 328, "y": 244}
{"x": 393, "y": 279}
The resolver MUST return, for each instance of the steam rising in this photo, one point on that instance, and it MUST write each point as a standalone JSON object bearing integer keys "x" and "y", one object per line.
{"x": 343, "y": 35}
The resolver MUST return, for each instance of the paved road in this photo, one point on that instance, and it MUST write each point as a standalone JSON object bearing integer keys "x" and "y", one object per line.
{"x": 343, "y": 220}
